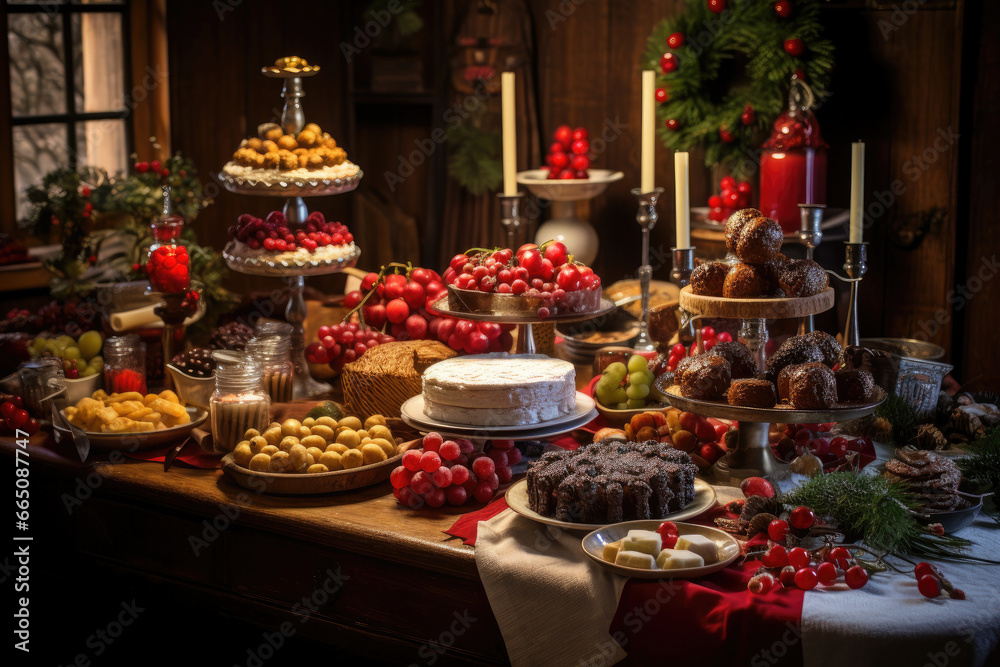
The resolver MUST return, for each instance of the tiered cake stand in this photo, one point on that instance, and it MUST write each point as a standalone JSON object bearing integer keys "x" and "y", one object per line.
{"x": 752, "y": 455}
{"x": 296, "y": 212}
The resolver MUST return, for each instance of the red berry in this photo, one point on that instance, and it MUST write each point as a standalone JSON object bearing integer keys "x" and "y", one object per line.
{"x": 787, "y": 576}
{"x": 669, "y": 62}
{"x": 459, "y": 474}
{"x": 662, "y": 95}
{"x": 756, "y": 486}
{"x": 856, "y": 577}
{"x": 430, "y": 461}
{"x": 432, "y": 442}
{"x": 434, "y": 497}
{"x": 802, "y": 518}
{"x": 673, "y": 124}
{"x": 923, "y": 569}
{"x": 806, "y": 579}
{"x": 777, "y": 530}
{"x": 717, "y": 6}
{"x": 580, "y": 147}
{"x": 841, "y": 557}
{"x": 761, "y": 583}
{"x": 484, "y": 492}
{"x": 564, "y": 135}
{"x": 411, "y": 459}
{"x": 929, "y": 586}
{"x": 449, "y": 451}
{"x": 421, "y": 482}
{"x": 483, "y": 467}
{"x": 827, "y": 573}
{"x": 442, "y": 477}
{"x": 776, "y": 556}
{"x": 798, "y": 558}
{"x": 400, "y": 477}
{"x": 456, "y": 494}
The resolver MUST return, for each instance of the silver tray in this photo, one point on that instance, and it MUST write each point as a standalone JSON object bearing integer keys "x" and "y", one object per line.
{"x": 262, "y": 266}
{"x": 139, "y": 441}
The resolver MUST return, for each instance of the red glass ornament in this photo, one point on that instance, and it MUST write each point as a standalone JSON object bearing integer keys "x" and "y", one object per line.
{"x": 673, "y": 124}
{"x": 795, "y": 47}
{"x": 717, "y": 6}
{"x": 669, "y": 63}
{"x": 661, "y": 95}
{"x": 783, "y": 9}
{"x": 676, "y": 40}
{"x": 726, "y": 136}
{"x": 748, "y": 116}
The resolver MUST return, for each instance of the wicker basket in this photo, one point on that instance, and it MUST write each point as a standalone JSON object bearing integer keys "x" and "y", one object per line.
{"x": 388, "y": 375}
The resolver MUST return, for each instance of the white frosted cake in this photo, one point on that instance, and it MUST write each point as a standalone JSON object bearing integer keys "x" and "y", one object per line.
{"x": 499, "y": 389}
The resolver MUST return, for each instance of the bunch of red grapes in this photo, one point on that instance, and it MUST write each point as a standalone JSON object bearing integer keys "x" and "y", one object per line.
{"x": 273, "y": 232}
{"x": 452, "y": 471}
{"x": 734, "y": 197}
{"x": 568, "y": 156}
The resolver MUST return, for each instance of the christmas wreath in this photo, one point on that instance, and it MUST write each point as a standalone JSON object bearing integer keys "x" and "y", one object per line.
{"x": 723, "y": 73}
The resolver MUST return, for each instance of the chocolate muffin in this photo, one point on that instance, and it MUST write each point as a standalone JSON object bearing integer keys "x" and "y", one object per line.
{"x": 813, "y": 388}
{"x": 827, "y": 344}
{"x": 787, "y": 372}
{"x": 706, "y": 378}
{"x": 795, "y": 350}
{"x": 707, "y": 279}
{"x": 735, "y": 224}
{"x": 744, "y": 281}
{"x": 759, "y": 241}
{"x": 741, "y": 362}
{"x": 803, "y": 277}
{"x": 855, "y": 386}
{"x": 681, "y": 369}
{"x": 751, "y": 393}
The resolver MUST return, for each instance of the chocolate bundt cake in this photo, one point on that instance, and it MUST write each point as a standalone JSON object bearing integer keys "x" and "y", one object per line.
{"x": 802, "y": 277}
{"x": 707, "y": 279}
{"x": 744, "y": 281}
{"x": 751, "y": 393}
{"x": 827, "y": 344}
{"x": 855, "y": 386}
{"x": 786, "y": 373}
{"x": 706, "y": 378}
{"x": 795, "y": 350}
{"x": 813, "y": 388}
{"x": 611, "y": 481}
{"x": 741, "y": 362}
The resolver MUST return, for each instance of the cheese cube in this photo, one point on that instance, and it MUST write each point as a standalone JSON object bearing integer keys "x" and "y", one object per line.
{"x": 634, "y": 559}
{"x": 611, "y": 550}
{"x": 675, "y": 559}
{"x": 700, "y": 545}
{"x": 644, "y": 541}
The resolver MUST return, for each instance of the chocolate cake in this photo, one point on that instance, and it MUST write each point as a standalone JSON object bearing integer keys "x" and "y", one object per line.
{"x": 705, "y": 377}
{"x": 786, "y": 374}
{"x": 855, "y": 385}
{"x": 751, "y": 393}
{"x": 707, "y": 279}
{"x": 827, "y": 345}
{"x": 795, "y": 350}
{"x": 812, "y": 388}
{"x": 803, "y": 277}
{"x": 611, "y": 481}
{"x": 741, "y": 362}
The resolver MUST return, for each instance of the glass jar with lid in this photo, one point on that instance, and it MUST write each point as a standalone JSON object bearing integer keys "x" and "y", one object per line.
{"x": 239, "y": 402}
{"x": 125, "y": 364}
{"x": 168, "y": 267}
{"x": 270, "y": 347}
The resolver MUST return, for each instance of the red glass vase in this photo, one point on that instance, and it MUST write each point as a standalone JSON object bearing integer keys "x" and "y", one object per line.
{"x": 168, "y": 267}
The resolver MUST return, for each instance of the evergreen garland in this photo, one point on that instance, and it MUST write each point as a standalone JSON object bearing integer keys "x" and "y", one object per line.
{"x": 749, "y": 30}
{"x": 981, "y": 469}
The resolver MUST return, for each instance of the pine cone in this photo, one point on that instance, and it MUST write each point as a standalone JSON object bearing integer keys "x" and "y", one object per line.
{"x": 929, "y": 436}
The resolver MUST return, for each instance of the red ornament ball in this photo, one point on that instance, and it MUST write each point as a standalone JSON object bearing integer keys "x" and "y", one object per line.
{"x": 748, "y": 116}
{"x": 726, "y": 136}
{"x": 800, "y": 74}
{"x": 783, "y": 8}
{"x": 717, "y": 6}
{"x": 669, "y": 63}
{"x": 661, "y": 95}
{"x": 795, "y": 47}
{"x": 676, "y": 40}
{"x": 673, "y": 124}
{"x": 802, "y": 517}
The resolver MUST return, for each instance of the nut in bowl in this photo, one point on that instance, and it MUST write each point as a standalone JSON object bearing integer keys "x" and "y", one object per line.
{"x": 651, "y": 549}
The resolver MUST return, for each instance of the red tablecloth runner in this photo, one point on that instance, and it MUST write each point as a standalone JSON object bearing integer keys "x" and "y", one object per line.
{"x": 192, "y": 455}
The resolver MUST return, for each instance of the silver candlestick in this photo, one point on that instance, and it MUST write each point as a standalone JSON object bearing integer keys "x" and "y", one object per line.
{"x": 855, "y": 265}
{"x": 810, "y": 234}
{"x": 681, "y": 275}
{"x": 646, "y": 217}
{"x": 510, "y": 215}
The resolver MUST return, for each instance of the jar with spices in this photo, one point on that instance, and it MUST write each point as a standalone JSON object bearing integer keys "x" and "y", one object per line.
{"x": 270, "y": 347}
{"x": 125, "y": 364}
{"x": 239, "y": 402}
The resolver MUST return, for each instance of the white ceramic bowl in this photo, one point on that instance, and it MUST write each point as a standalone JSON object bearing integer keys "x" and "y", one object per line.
{"x": 82, "y": 387}
{"x": 191, "y": 390}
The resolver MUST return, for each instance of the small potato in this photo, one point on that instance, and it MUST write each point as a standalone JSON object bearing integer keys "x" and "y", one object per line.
{"x": 297, "y": 459}
{"x": 309, "y": 459}
{"x": 260, "y": 462}
{"x": 352, "y": 458}
{"x": 349, "y": 438}
{"x": 337, "y": 447}
{"x": 372, "y": 453}
{"x": 304, "y": 432}
{"x": 315, "y": 452}
{"x": 243, "y": 442}
{"x": 280, "y": 462}
{"x": 251, "y": 434}
{"x": 365, "y": 441}
{"x": 309, "y": 422}
{"x": 331, "y": 460}
{"x": 258, "y": 442}
{"x": 291, "y": 427}
{"x": 326, "y": 421}
{"x": 352, "y": 423}
{"x": 380, "y": 431}
{"x": 270, "y": 450}
{"x": 313, "y": 441}
{"x": 324, "y": 432}
{"x": 287, "y": 443}
{"x": 317, "y": 467}
{"x": 362, "y": 434}
{"x": 276, "y": 425}
{"x": 242, "y": 454}
{"x": 273, "y": 436}
{"x": 387, "y": 446}
{"x": 374, "y": 420}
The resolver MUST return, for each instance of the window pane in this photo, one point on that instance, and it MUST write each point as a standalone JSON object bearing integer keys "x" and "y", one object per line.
{"x": 101, "y": 143}
{"x": 98, "y": 76}
{"x": 35, "y": 44}
{"x": 38, "y": 149}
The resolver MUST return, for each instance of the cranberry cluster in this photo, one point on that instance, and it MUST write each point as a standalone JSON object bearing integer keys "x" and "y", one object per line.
{"x": 568, "y": 155}
{"x": 274, "y": 233}
{"x": 734, "y": 197}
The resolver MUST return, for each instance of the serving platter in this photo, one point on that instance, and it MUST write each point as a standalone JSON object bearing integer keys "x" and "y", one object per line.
{"x": 139, "y": 441}
{"x": 290, "y": 187}
{"x": 412, "y": 412}
{"x": 310, "y": 484}
{"x": 774, "y": 308}
{"x": 517, "y": 500}
{"x": 593, "y": 546}
{"x": 304, "y": 264}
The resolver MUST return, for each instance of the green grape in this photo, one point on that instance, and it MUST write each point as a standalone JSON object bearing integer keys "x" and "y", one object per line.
{"x": 617, "y": 370}
{"x": 90, "y": 343}
{"x": 637, "y": 363}
{"x": 65, "y": 341}
{"x": 88, "y": 372}
{"x": 71, "y": 352}
{"x": 621, "y": 406}
{"x": 97, "y": 362}
{"x": 639, "y": 377}
{"x": 634, "y": 403}
{"x": 81, "y": 364}
{"x": 618, "y": 396}
{"x": 51, "y": 347}
{"x": 637, "y": 391}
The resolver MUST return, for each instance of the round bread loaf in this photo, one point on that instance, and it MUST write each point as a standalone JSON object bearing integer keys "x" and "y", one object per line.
{"x": 802, "y": 277}
{"x": 707, "y": 279}
{"x": 741, "y": 362}
{"x": 751, "y": 393}
{"x": 706, "y": 378}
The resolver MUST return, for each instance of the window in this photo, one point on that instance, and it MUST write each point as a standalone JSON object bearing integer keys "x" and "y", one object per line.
{"x": 69, "y": 81}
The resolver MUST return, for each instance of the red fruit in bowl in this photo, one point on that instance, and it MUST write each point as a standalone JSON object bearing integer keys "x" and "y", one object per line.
{"x": 556, "y": 253}
{"x": 564, "y": 135}
{"x": 414, "y": 295}
{"x": 351, "y": 300}
{"x": 705, "y": 431}
{"x": 557, "y": 148}
{"x": 757, "y": 486}
{"x": 566, "y": 174}
{"x": 580, "y": 133}
{"x": 579, "y": 163}
{"x": 580, "y": 147}
{"x": 558, "y": 160}
{"x": 715, "y": 201}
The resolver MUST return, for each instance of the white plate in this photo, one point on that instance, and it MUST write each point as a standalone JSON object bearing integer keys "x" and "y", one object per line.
{"x": 412, "y": 412}
{"x": 517, "y": 500}
{"x": 593, "y": 546}
{"x": 144, "y": 440}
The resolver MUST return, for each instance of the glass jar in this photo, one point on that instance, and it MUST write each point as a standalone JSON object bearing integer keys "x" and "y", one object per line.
{"x": 239, "y": 402}
{"x": 40, "y": 378}
{"x": 270, "y": 347}
{"x": 125, "y": 364}
{"x": 168, "y": 266}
